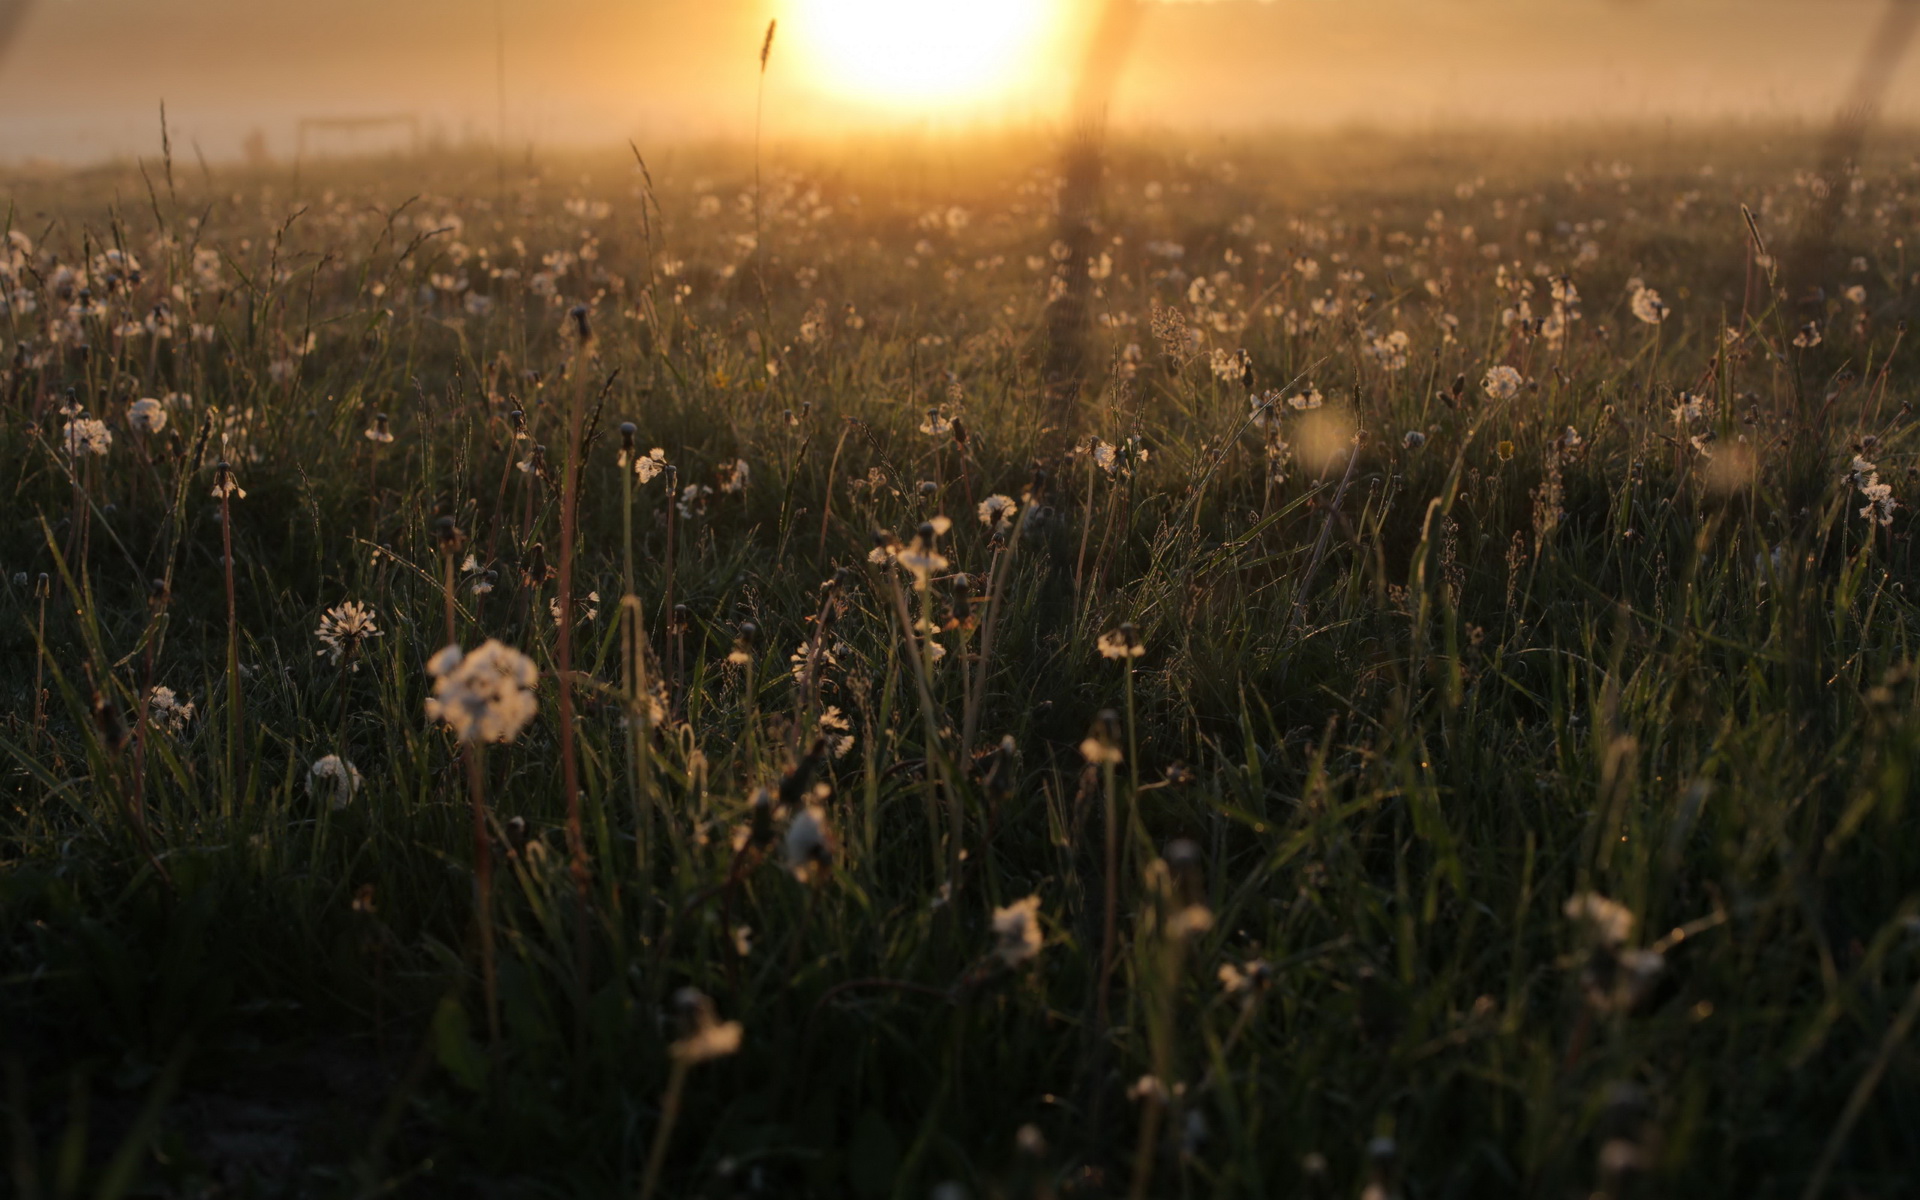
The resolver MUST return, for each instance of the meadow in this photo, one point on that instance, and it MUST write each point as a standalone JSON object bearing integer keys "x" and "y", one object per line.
{"x": 695, "y": 676}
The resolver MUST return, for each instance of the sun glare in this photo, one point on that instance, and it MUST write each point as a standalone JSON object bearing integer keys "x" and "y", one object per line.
{"x": 921, "y": 53}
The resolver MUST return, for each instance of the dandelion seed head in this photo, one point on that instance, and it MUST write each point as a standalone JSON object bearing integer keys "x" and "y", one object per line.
{"x": 334, "y": 780}
{"x": 84, "y": 436}
{"x": 483, "y": 696}
{"x": 1501, "y": 382}
{"x": 147, "y": 415}
{"x": 344, "y": 629}
{"x": 997, "y": 511}
{"x": 1647, "y": 307}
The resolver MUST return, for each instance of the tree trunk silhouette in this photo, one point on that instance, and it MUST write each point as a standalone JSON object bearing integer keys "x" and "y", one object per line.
{"x": 1082, "y": 165}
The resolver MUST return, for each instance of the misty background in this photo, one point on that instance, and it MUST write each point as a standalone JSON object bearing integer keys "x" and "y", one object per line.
{"x": 82, "y": 80}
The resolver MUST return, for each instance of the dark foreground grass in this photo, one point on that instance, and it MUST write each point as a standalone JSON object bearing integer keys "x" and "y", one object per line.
{"x": 1511, "y": 796}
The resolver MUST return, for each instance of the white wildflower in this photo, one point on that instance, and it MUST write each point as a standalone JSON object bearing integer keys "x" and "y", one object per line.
{"x": 1610, "y": 921}
{"x": 344, "y": 628}
{"x": 1502, "y": 382}
{"x": 997, "y": 511}
{"x": 809, "y": 845}
{"x": 147, "y": 416}
{"x": 85, "y": 435}
{"x": 1017, "y": 936}
{"x": 1123, "y": 643}
{"x": 167, "y": 710}
{"x": 485, "y": 696}
{"x": 334, "y": 779}
{"x": 706, "y": 1036}
{"x": 1647, "y": 306}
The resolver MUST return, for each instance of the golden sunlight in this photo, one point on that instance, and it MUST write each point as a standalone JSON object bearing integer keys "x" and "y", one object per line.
{"x": 921, "y": 53}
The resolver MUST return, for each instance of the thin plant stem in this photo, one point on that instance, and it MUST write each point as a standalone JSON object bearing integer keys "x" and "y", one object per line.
{"x": 1110, "y": 884}
{"x": 233, "y": 645}
{"x": 669, "y": 1114}
{"x": 826, "y": 494}
{"x": 626, "y": 529}
{"x": 569, "y": 767}
{"x": 42, "y": 590}
{"x": 483, "y": 886}
{"x": 996, "y": 588}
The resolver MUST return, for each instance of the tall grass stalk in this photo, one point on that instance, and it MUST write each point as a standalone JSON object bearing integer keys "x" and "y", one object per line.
{"x": 569, "y": 768}
{"x": 474, "y": 753}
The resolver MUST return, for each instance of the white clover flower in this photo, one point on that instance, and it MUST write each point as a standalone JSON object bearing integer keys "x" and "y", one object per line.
{"x": 344, "y": 628}
{"x": 1017, "y": 936}
{"x": 334, "y": 779}
{"x": 485, "y": 696}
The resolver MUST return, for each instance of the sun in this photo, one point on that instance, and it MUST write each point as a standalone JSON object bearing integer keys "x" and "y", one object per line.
{"x": 920, "y": 53}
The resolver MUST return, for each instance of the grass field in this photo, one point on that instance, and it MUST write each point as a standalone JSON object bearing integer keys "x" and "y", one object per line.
{"x": 1426, "y": 711}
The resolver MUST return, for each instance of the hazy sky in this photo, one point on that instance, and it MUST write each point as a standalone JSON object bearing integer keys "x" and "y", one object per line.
{"x": 83, "y": 79}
